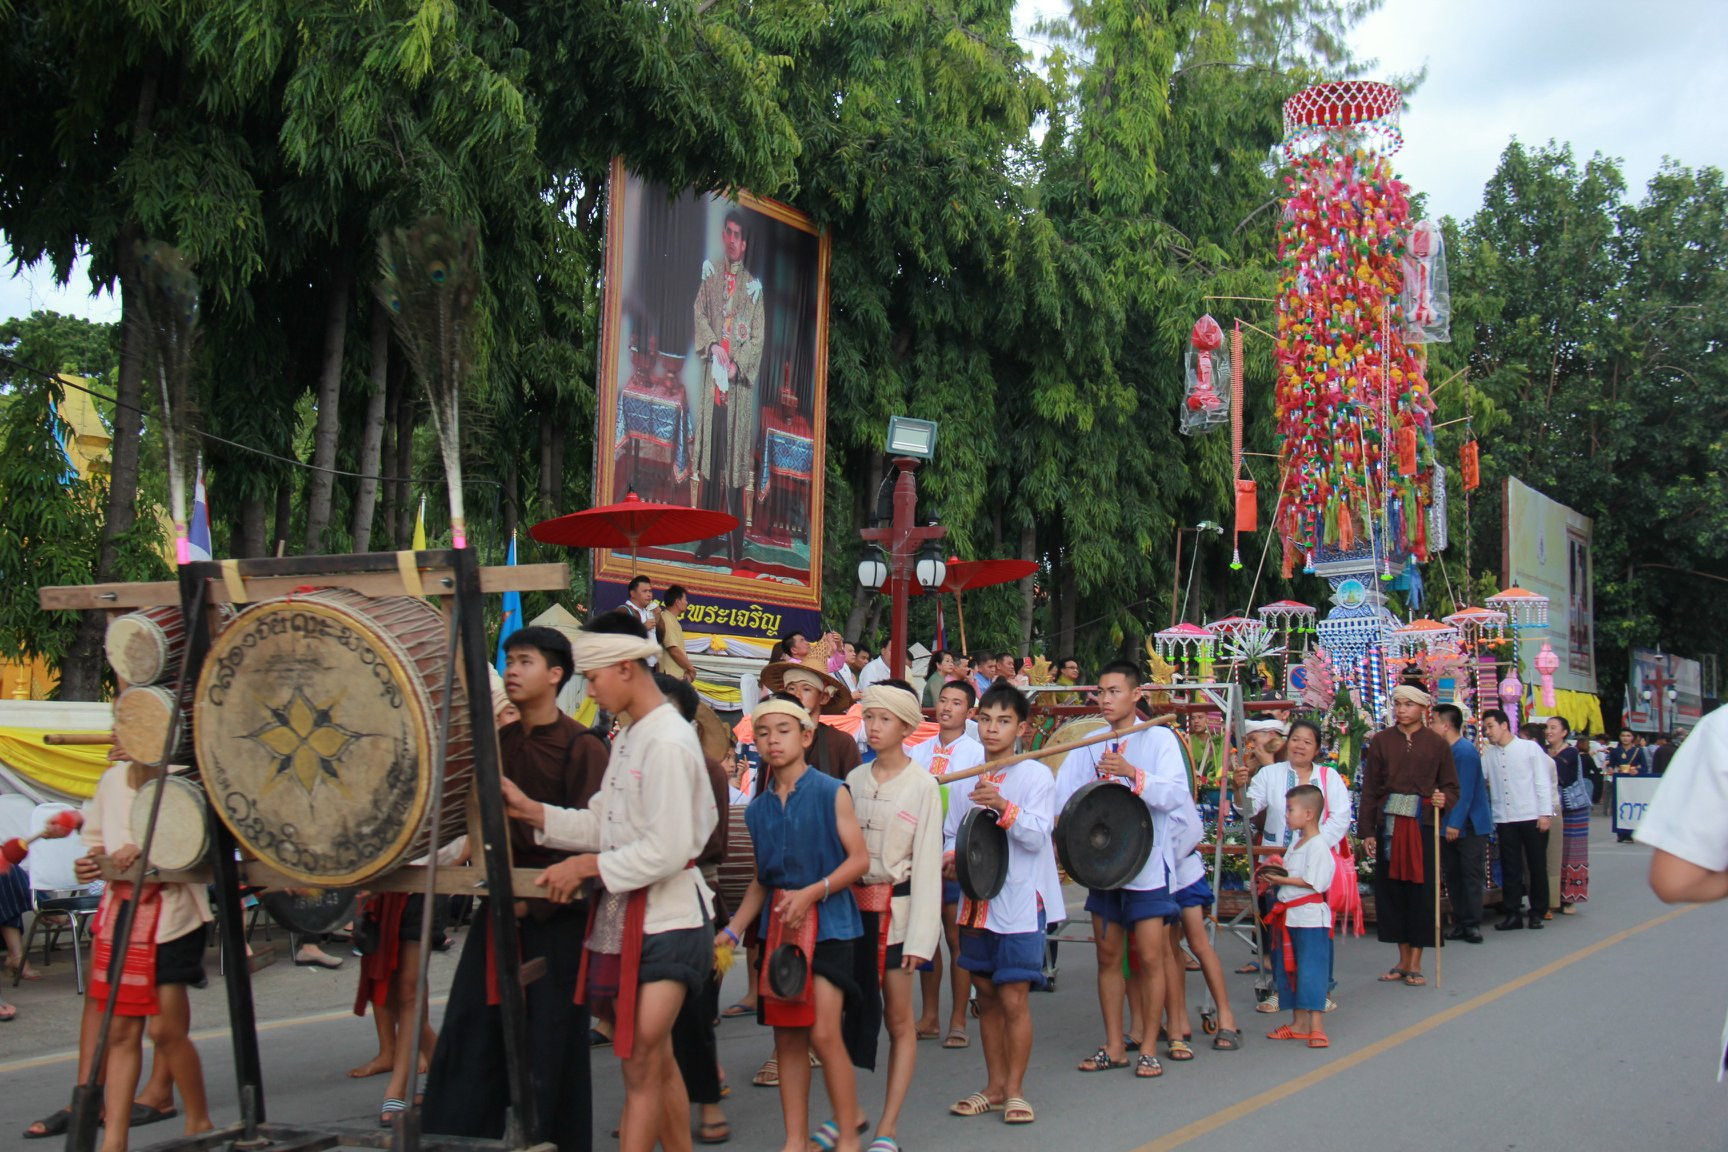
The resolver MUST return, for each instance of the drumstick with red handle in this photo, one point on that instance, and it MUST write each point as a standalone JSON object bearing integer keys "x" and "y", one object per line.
{"x": 13, "y": 851}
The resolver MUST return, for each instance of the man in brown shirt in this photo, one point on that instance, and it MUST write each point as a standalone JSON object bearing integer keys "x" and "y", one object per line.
{"x": 1407, "y": 780}
{"x": 557, "y": 761}
{"x": 834, "y": 752}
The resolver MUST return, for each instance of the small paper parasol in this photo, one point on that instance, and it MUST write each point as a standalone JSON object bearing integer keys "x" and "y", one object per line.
{"x": 1524, "y": 608}
{"x": 1477, "y": 624}
{"x": 1420, "y": 637}
{"x": 1287, "y": 615}
{"x": 631, "y": 523}
{"x": 1175, "y": 643}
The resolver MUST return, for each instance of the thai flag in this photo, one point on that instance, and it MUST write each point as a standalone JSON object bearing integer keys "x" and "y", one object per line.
{"x": 512, "y": 610}
{"x": 198, "y": 532}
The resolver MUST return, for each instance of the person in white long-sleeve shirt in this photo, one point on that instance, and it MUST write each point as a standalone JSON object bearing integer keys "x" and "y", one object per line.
{"x": 1521, "y": 798}
{"x": 639, "y": 837}
{"x": 1149, "y": 763}
{"x": 1002, "y": 939}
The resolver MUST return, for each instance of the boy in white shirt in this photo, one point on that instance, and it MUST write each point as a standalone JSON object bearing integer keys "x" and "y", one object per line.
{"x": 952, "y": 749}
{"x": 1300, "y": 926}
{"x": 1002, "y": 940}
{"x": 1193, "y": 895}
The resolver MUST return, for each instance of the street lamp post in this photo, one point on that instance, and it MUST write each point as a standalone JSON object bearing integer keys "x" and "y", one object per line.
{"x": 911, "y": 553}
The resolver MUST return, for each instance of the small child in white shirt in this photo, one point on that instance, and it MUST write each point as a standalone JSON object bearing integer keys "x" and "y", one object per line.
{"x": 1300, "y": 925}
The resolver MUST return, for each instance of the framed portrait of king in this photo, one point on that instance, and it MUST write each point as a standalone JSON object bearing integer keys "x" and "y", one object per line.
{"x": 713, "y": 394}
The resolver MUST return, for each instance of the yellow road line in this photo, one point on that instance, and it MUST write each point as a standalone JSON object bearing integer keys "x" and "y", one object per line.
{"x": 1209, "y": 1124}
{"x": 71, "y": 1057}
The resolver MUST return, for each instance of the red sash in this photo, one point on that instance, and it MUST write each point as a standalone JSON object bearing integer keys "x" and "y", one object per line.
{"x": 1406, "y": 864}
{"x": 1281, "y": 931}
{"x": 616, "y": 977}
{"x": 378, "y": 967}
{"x": 877, "y": 899}
{"x": 137, "y": 996}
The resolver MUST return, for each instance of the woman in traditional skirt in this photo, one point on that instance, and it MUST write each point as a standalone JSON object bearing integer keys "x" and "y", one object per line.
{"x": 1575, "y": 853}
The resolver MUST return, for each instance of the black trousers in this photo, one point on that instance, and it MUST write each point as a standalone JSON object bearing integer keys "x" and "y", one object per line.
{"x": 1524, "y": 857}
{"x": 468, "y": 1090}
{"x": 1465, "y": 864}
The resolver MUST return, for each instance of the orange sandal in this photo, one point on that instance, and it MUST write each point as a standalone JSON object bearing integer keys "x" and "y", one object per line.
{"x": 1318, "y": 1040}
{"x": 1286, "y": 1032}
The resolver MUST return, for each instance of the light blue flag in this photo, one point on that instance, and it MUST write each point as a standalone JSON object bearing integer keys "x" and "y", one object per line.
{"x": 512, "y": 610}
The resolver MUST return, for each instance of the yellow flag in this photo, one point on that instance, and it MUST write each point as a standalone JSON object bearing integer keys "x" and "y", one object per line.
{"x": 420, "y": 528}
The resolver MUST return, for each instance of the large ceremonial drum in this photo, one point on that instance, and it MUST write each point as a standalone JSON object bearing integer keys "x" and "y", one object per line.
{"x": 148, "y": 726}
{"x": 316, "y": 725}
{"x": 1078, "y": 728}
{"x": 182, "y": 837}
{"x": 739, "y": 867}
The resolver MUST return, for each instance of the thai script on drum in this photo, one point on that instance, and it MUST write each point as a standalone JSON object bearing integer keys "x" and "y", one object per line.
{"x": 346, "y": 853}
{"x": 313, "y": 626}
{"x": 754, "y": 618}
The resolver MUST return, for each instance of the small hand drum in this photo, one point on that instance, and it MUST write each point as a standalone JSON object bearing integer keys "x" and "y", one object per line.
{"x": 981, "y": 855}
{"x": 788, "y": 972}
{"x": 1104, "y": 836}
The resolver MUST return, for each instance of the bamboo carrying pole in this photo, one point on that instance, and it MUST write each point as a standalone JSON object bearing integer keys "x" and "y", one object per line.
{"x": 1439, "y": 944}
{"x": 1051, "y": 750}
{"x": 97, "y": 738}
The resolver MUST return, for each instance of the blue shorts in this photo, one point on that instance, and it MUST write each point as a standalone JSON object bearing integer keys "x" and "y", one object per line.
{"x": 1127, "y": 908}
{"x": 1004, "y": 958}
{"x": 1313, "y": 949}
{"x": 951, "y": 892}
{"x": 1196, "y": 895}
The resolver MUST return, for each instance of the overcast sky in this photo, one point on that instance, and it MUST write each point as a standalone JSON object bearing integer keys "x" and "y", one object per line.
{"x": 1633, "y": 79}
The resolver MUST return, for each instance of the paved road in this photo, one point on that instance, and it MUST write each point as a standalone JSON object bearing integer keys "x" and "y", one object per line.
{"x": 1595, "y": 1034}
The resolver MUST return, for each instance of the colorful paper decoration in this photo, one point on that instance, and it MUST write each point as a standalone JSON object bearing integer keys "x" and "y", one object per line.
{"x": 1350, "y": 390}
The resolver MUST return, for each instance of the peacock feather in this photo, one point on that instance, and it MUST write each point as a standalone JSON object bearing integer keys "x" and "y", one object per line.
{"x": 166, "y": 319}
{"x": 429, "y": 280}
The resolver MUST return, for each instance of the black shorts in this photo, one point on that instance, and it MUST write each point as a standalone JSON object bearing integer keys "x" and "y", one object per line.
{"x": 181, "y": 960}
{"x": 685, "y": 955}
{"x": 409, "y": 926}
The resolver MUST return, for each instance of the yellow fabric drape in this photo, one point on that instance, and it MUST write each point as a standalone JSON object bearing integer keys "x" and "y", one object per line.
{"x": 73, "y": 769}
{"x": 1581, "y": 710}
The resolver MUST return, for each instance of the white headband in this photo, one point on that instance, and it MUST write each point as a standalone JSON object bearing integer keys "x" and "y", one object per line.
{"x": 593, "y": 650}
{"x": 773, "y": 707}
{"x": 897, "y": 702}
{"x": 805, "y": 676}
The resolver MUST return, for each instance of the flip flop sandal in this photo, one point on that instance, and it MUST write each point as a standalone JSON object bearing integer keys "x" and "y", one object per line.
{"x": 8, "y": 1013}
{"x": 1251, "y": 968}
{"x": 931, "y": 1035}
{"x": 1133, "y": 1045}
{"x": 1100, "y": 1061}
{"x": 53, "y": 1124}
{"x": 826, "y": 1138}
{"x": 1148, "y": 1068}
{"x": 884, "y": 1144}
{"x": 957, "y": 1038}
{"x": 392, "y": 1108}
{"x": 738, "y": 1010}
{"x": 1318, "y": 1040}
{"x": 144, "y": 1114}
{"x": 1228, "y": 1040}
{"x": 976, "y": 1104}
{"x": 1017, "y": 1111}
{"x": 767, "y": 1076}
{"x": 719, "y": 1132}
{"x": 1179, "y": 1050}
{"x": 1415, "y": 979}
{"x": 598, "y": 1039}
{"x": 1393, "y": 975}
{"x": 1286, "y": 1032}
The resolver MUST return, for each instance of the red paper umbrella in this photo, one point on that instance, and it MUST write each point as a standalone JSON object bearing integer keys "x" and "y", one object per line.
{"x": 965, "y": 575}
{"x": 631, "y": 523}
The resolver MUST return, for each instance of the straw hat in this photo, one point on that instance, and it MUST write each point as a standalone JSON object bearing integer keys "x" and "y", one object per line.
{"x": 837, "y": 698}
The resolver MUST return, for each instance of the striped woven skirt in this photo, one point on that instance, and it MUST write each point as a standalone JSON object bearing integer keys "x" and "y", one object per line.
{"x": 1575, "y": 857}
